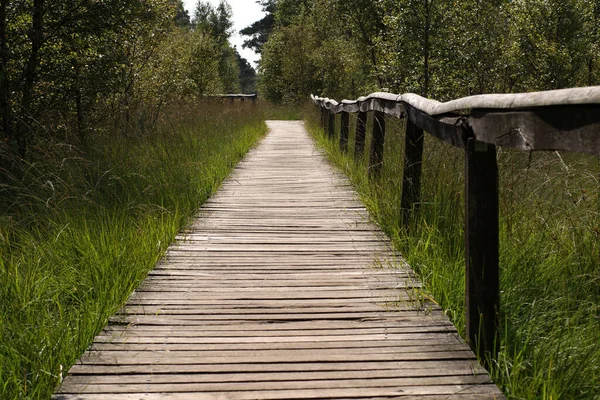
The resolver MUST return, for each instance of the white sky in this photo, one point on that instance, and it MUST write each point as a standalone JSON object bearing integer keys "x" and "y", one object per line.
{"x": 245, "y": 12}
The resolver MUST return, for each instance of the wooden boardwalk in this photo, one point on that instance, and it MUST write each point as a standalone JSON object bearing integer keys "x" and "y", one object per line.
{"x": 281, "y": 289}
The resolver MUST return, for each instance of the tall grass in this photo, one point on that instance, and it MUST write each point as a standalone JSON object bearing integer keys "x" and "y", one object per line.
{"x": 80, "y": 230}
{"x": 549, "y": 244}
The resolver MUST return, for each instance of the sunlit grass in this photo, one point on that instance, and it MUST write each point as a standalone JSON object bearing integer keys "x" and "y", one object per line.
{"x": 79, "y": 231}
{"x": 550, "y": 253}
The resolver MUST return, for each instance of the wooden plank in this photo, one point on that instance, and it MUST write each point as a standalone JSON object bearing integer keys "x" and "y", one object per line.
{"x": 570, "y": 128}
{"x": 154, "y": 387}
{"x": 182, "y": 344}
{"x": 311, "y": 328}
{"x": 322, "y": 357}
{"x": 322, "y": 340}
{"x": 449, "y": 365}
{"x": 461, "y": 392}
{"x": 271, "y": 377}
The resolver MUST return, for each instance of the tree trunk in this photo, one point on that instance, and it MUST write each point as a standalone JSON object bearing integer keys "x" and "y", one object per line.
{"x": 37, "y": 37}
{"x": 5, "y": 111}
{"x": 426, "y": 48}
{"x": 81, "y": 131}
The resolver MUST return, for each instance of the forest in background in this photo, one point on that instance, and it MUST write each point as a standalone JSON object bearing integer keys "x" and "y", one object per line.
{"x": 73, "y": 70}
{"x": 442, "y": 49}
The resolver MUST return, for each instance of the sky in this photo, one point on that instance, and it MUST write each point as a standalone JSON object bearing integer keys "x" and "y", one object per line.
{"x": 245, "y": 12}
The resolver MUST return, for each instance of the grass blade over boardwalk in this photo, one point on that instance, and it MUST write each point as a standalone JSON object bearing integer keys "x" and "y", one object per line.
{"x": 280, "y": 289}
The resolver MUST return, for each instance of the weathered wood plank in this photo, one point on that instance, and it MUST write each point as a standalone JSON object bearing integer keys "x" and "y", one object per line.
{"x": 153, "y": 387}
{"x": 480, "y": 391}
{"x": 449, "y": 365}
{"x": 273, "y": 377}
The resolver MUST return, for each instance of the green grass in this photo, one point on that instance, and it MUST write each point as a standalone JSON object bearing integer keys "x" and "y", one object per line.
{"x": 281, "y": 112}
{"x": 550, "y": 253}
{"x": 79, "y": 231}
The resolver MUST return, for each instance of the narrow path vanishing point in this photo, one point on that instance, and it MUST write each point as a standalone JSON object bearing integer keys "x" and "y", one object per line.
{"x": 281, "y": 289}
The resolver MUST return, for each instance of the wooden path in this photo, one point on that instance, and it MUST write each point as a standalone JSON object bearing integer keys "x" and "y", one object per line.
{"x": 281, "y": 289}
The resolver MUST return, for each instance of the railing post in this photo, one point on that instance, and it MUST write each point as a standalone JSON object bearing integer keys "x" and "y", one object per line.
{"x": 344, "y": 128}
{"x": 376, "y": 157}
{"x": 323, "y": 116}
{"x": 411, "y": 180}
{"x": 331, "y": 125}
{"x": 482, "y": 247}
{"x": 361, "y": 131}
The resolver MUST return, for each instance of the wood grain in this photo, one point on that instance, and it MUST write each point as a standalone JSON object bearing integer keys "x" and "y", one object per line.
{"x": 281, "y": 289}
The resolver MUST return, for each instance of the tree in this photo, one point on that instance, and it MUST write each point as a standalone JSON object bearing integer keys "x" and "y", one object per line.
{"x": 321, "y": 47}
{"x": 365, "y": 25}
{"x": 229, "y": 70}
{"x": 5, "y": 108}
{"x": 60, "y": 57}
{"x": 591, "y": 29}
{"x": 473, "y": 59}
{"x": 260, "y": 30}
{"x": 182, "y": 17}
{"x": 549, "y": 50}
{"x": 414, "y": 31}
{"x": 215, "y": 21}
{"x": 247, "y": 77}
{"x": 204, "y": 64}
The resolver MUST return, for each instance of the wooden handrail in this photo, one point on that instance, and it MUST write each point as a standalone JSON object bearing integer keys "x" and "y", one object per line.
{"x": 232, "y": 96}
{"x": 563, "y": 119}
{"x": 566, "y": 119}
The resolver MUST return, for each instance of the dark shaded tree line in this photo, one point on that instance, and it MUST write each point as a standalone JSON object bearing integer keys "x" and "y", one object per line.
{"x": 79, "y": 68}
{"x": 438, "y": 48}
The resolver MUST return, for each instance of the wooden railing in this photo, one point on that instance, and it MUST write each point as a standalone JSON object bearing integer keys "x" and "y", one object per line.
{"x": 232, "y": 97}
{"x": 567, "y": 119}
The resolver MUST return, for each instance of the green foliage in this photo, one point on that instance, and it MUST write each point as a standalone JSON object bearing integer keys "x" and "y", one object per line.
{"x": 204, "y": 63}
{"x": 74, "y": 55}
{"x": 260, "y": 30}
{"x": 247, "y": 75}
{"x": 72, "y": 69}
{"x": 314, "y": 50}
{"x": 288, "y": 78}
{"x": 215, "y": 25}
{"x": 182, "y": 17}
{"x": 229, "y": 70}
{"x": 438, "y": 48}
{"x": 549, "y": 44}
{"x": 215, "y": 21}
